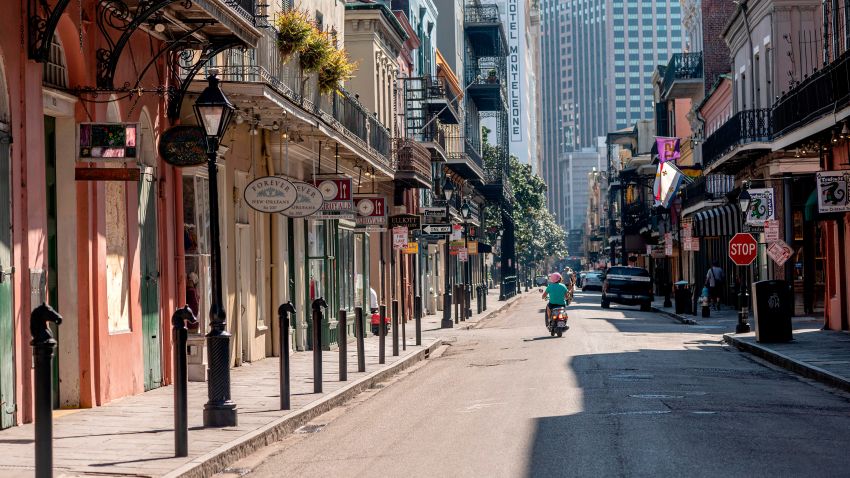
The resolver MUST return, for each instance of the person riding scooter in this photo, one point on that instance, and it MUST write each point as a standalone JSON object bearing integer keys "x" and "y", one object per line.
{"x": 556, "y": 293}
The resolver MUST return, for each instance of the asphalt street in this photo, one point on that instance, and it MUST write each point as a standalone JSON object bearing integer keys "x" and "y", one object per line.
{"x": 623, "y": 393}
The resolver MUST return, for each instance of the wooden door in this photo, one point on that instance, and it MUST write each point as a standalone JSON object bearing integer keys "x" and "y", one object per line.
{"x": 151, "y": 335}
{"x": 7, "y": 329}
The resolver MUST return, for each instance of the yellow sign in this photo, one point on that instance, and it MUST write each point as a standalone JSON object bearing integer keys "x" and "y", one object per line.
{"x": 472, "y": 248}
{"x": 412, "y": 248}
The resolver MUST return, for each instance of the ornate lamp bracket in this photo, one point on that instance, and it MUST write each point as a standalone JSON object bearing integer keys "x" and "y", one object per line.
{"x": 43, "y": 22}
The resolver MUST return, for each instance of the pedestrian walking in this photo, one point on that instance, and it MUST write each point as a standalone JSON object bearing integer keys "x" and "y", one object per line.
{"x": 714, "y": 279}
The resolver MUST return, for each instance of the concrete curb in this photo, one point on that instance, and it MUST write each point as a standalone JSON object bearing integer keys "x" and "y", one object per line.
{"x": 675, "y": 316}
{"x": 491, "y": 313}
{"x": 217, "y": 460}
{"x": 788, "y": 363}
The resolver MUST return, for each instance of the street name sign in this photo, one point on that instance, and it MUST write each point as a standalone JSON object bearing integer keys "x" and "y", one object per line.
{"x": 743, "y": 248}
{"x": 437, "y": 229}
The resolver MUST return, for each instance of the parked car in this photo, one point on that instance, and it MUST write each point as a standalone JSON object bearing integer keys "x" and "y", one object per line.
{"x": 627, "y": 286}
{"x": 592, "y": 281}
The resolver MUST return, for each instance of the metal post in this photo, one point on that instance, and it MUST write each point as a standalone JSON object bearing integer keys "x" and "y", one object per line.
{"x": 285, "y": 391}
{"x": 417, "y": 315}
{"x": 447, "y": 295}
{"x": 457, "y": 303}
{"x": 180, "y": 335}
{"x": 744, "y": 301}
{"x": 220, "y": 410}
{"x": 43, "y": 346}
{"x": 318, "y": 304}
{"x": 382, "y": 334}
{"x": 360, "y": 332}
{"x": 395, "y": 322}
{"x": 342, "y": 328}
{"x": 403, "y": 319}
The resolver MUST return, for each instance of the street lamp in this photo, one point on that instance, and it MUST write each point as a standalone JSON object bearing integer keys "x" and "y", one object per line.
{"x": 467, "y": 299}
{"x": 448, "y": 191}
{"x": 743, "y": 327}
{"x": 214, "y": 112}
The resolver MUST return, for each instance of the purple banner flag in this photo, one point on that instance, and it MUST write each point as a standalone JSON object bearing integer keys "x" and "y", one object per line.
{"x": 668, "y": 149}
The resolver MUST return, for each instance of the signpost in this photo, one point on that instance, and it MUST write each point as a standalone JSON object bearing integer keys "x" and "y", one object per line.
{"x": 462, "y": 254}
{"x": 399, "y": 238}
{"x": 435, "y": 229}
{"x": 668, "y": 244}
{"x": 412, "y": 248}
{"x": 743, "y": 249}
{"x": 771, "y": 230}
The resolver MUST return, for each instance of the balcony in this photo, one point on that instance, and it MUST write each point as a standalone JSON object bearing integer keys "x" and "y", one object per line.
{"x": 434, "y": 138}
{"x": 707, "y": 188}
{"x": 487, "y": 80}
{"x": 745, "y": 134}
{"x": 824, "y": 92}
{"x": 683, "y": 77}
{"x": 442, "y": 100}
{"x": 496, "y": 185}
{"x": 463, "y": 158}
{"x": 413, "y": 169}
{"x": 484, "y": 30}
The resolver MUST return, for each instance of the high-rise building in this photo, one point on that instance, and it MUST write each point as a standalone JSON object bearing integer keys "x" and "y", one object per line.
{"x": 574, "y": 188}
{"x": 597, "y": 59}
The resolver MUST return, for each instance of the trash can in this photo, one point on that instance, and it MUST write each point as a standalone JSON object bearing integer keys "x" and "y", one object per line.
{"x": 682, "y": 296}
{"x": 773, "y": 306}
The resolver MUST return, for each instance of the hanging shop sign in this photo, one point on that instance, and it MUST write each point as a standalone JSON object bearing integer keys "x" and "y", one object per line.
{"x": 183, "y": 145}
{"x": 107, "y": 174}
{"x": 270, "y": 194}
{"x": 832, "y": 191}
{"x": 338, "y": 199}
{"x": 307, "y": 202}
{"x": 107, "y": 142}
{"x": 410, "y": 221}
{"x": 780, "y": 252}
{"x": 371, "y": 211}
{"x": 761, "y": 206}
{"x": 412, "y": 248}
{"x": 399, "y": 238}
{"x": 472, "y": 248}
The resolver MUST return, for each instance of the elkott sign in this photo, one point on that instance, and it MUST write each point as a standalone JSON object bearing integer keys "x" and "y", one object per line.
{"x": 832, "y": 191}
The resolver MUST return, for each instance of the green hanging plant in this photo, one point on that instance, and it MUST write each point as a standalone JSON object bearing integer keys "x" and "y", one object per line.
{"x": 315, "y": 51}
{"x": 294, "y": 30}
{"x": 336, "y": 69}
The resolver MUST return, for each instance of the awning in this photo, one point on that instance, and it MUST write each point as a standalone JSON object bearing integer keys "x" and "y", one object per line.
{"x": 719, "y": 221}
{"x": 484, "y": 248}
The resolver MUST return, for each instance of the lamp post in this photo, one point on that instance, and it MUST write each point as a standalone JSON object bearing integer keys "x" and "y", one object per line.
{"x": 214, "y": 112}
{"x": 446, "y": 323}
{"x": 501, "y": 268}
{"x": 744, "y": 295}
{"x": 465, "y": 211}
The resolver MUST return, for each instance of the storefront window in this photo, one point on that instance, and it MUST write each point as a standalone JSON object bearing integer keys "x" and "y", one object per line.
{"x": 346, "y": 270}
{"x": 196, "y": 221}
{"x": 316, "y": 260}
{"x": 360, "y": 292}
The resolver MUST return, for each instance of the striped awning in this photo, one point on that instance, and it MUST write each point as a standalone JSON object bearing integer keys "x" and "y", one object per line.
{"x": 719, "y": 221}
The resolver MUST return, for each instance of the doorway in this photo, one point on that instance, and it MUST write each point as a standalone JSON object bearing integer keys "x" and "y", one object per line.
{"x": 149, "y": 256}
{"x": 7, "y": 328}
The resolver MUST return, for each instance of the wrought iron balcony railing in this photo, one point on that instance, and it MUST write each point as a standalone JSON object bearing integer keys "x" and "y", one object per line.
{"x": 435, "y": 133}
{"x": 682, "y": 66}
{"x": 481, "y": 14}
{"x": 247, "y": 7}
{"x": 413, "y": 158}
{"x": 748, "y": 126}
{"x": 822, "y": 92}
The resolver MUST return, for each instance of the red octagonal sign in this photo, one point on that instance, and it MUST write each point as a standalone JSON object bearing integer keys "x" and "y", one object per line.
{"x": 743, "y": 249}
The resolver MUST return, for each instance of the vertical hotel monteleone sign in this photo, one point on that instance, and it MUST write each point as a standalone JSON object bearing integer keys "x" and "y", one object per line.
{"x": 514, "y": 77}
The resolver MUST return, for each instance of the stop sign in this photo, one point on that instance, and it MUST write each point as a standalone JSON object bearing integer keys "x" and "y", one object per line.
{"x": 743, "y": 249}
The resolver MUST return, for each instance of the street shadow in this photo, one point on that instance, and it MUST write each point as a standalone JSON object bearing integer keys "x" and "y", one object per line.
{"x": 696, "y": 412}
{"x": 545, "y": 337}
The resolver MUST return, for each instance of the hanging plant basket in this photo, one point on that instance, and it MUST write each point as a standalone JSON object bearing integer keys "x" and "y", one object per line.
{"x": 315, "y": 51}
{"x": 294, "y": 30}
{"x": 336, "y": 69}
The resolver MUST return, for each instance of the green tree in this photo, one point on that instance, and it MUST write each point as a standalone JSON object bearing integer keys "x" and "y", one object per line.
{"x": 537, "y": 234}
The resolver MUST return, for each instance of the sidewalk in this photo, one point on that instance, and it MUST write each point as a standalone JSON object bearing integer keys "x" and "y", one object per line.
{"x": 822, "y": 355}
{"x": 134, "y": 436}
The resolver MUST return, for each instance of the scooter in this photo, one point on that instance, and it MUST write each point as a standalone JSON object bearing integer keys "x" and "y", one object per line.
{"x": 375, "y": 320}
{"x": 557, "y": 323}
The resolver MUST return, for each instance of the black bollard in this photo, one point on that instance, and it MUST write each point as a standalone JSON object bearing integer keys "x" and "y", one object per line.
{"x": 382, "y": 334}
{"x": 403, "y": 321}
{"x": 179, "y": 337}
{"x": 360, "y": 332}
{"x": 318, "y": 304}
{"x": 342, "y": 329}
{"x": 43, "y": 346}
{"x": 283, "y": 314}
{"x": 456, "y": 303}
{"x": 417, "y": 315}
{"x": 468, "y": 297}
{"x": 395, "y": 327}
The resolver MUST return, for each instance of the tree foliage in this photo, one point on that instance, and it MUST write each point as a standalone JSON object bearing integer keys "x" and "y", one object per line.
{"x": 537, "y": 234}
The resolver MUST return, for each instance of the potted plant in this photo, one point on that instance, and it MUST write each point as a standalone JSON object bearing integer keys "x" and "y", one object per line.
{"x": 491, "y": 76}
{"x": 336, "y": 69}
{"x": 293, "y": 30}
{"x": 315, "y": 51}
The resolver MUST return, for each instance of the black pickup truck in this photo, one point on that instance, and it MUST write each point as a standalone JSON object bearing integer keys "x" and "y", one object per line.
{"x": 627, "y": 286}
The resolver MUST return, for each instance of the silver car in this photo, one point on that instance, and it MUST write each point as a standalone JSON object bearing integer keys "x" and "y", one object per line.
{"x": 592, "y": 281}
